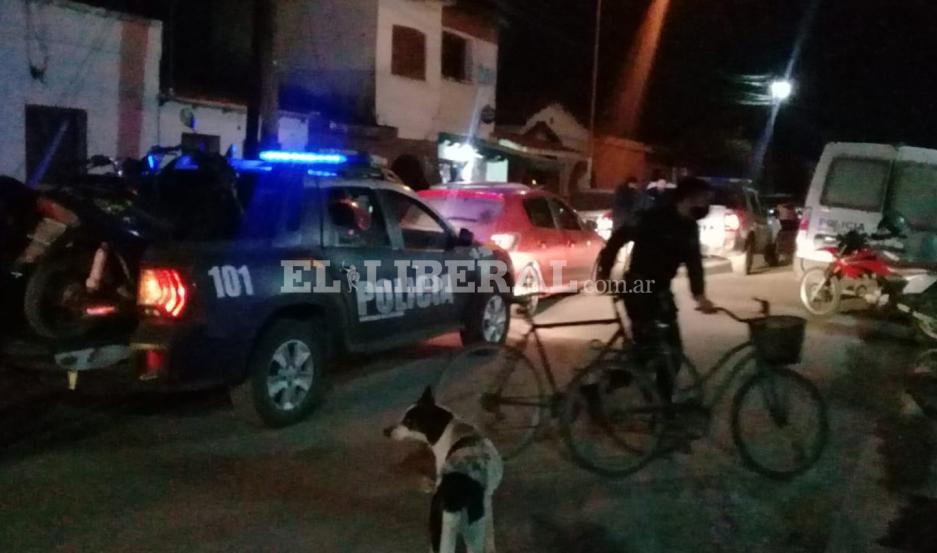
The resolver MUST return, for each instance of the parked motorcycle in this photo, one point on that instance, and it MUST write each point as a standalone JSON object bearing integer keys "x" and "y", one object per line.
{"x": 857, "y": 269}
{"x": 869, "y": 272}
{"x": 85, "y": 251}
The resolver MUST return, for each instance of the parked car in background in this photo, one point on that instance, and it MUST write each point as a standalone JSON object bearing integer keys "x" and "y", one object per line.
{"x": 595, "y": 205}
{"x": 551, "y": 248}
{"x": 852, "y": 188}
{"x": 737, "y": 226}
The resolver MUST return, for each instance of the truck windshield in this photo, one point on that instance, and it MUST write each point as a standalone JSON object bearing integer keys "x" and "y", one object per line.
{"x": 914, "y": 194}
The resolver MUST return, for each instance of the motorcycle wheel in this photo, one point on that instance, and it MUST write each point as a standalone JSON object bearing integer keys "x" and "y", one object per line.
{"x": 820, "y": 293}
{"x": 53, "y": 301}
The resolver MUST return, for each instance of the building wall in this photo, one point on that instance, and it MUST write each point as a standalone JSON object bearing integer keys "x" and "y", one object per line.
{"x": 327, "y": 52}
{"x": 226, "y": 122}
{"x": 616, "y": 159}
{"x": 461, "y": 103}
{"x": 410, "y": 105}
{"x": 102, "y": 62}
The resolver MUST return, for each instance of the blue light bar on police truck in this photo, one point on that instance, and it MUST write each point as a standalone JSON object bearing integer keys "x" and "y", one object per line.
{"x": 309, "y": 158}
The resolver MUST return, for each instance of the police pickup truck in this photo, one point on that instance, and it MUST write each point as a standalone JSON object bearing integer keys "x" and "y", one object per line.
{"x": 329, "y": 257}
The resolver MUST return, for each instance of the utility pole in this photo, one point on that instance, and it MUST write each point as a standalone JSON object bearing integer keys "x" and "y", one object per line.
{"x": 595, "y": 85}
{"x": 263, "y": 111}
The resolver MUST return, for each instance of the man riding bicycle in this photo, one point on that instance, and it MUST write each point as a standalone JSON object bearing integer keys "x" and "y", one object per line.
{"x": 664, "y": 238}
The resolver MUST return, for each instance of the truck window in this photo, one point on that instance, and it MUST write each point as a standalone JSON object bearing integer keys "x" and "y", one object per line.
{"x": 368, "y": 230}
{"x": 914, "y": 194}
{"x": 420, "y": 230}
{"x": 856, "y": 184}
{"x": 729, "y": 197}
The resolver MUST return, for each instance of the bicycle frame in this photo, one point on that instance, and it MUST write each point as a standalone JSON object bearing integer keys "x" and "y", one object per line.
{"x": 608, "y": 347}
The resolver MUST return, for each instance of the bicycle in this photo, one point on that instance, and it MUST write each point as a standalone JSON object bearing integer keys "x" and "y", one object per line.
{"x": 625, "y": 430}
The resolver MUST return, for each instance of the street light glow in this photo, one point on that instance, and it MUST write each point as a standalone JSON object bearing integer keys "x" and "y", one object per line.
{"x": 781, "y": 90}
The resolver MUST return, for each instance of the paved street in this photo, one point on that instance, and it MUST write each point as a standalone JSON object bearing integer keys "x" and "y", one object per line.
{"x": 110, "y": 472}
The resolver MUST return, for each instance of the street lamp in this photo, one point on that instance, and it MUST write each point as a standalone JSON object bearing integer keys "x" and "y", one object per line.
{"x": 781, "y": 90}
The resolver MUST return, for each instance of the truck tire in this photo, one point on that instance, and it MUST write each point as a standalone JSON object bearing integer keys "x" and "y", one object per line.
{"x": 488, "y": 320}
{"x": 52, "y": 299}
{"x": 285, "y": 375}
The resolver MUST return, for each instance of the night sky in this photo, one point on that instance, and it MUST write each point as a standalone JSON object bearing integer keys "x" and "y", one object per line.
{"x": 867, "y": 71}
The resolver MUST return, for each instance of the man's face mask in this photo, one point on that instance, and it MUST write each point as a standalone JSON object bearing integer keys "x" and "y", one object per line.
{"x": 699, "y": 211}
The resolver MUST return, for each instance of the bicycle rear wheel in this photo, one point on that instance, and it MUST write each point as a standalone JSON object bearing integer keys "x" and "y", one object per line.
{"x": 497, "y": 389}
{"x": 779, "y": 423}
{"x": 611, "y": 420}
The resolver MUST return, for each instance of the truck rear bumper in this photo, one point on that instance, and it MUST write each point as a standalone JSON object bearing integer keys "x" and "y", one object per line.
{"x": 186, "y": 358}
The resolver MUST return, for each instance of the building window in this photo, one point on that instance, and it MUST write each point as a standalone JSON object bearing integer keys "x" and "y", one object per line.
{"x": 408, "y": 53}
{"x": 56, "y": 142}
{"x": 456, "y": 58}
{"x": 208, "y": 143}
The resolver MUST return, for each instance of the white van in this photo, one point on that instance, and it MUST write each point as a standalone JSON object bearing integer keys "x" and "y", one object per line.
{"x": 854, "y": 184}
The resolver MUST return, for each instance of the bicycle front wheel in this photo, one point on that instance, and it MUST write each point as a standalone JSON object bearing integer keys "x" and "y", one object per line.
{"x": 497, "y": 389}
{"x": 779, "y": 423}
{"x": 611, "y": 420}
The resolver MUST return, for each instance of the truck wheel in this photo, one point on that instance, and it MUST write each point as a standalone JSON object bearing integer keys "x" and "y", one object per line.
{"x": 488, "y": 320}
{"x": 285, "y": 379}
{"x": 53, "y": 300}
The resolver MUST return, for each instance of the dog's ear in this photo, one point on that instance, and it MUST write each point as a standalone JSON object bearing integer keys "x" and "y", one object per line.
{"x": 427, "y": 397}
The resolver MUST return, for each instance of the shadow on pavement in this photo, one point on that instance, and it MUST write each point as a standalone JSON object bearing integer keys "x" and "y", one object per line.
{"x": 581, "y": 537}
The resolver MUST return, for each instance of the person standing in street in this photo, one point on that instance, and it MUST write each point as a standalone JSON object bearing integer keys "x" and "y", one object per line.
{"x": 665, "y": 238}
{"x": 626, "y": 203}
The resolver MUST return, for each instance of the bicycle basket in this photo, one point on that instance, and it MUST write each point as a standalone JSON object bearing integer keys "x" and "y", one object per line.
{"x": 778, "y": 340}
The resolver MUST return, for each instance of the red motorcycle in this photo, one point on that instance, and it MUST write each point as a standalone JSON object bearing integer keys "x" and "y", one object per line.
{"x": 857, "y": 270}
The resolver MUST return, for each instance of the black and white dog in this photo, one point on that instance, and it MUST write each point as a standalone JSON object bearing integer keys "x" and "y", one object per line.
{"x": 468, "y": 471}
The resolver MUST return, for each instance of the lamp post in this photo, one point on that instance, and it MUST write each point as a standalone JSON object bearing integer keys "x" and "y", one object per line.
{"x": 595, "y": 85}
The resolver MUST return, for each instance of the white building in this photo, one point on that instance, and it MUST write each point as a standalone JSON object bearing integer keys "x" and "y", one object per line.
{"x": 385, "y": 76}
{"x": 388, "y": 76}
{"x": 85, "y": 79}
{"x": 218, "y": 126}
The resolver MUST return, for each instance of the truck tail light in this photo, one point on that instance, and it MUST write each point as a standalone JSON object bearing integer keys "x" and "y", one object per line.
{"x": 505, "y": 240}
{"x": 732, "y": 221}
{"x": 162, "y": 292}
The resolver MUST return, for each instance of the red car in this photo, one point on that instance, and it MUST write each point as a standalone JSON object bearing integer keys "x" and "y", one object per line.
{"x": 552, "y": 249}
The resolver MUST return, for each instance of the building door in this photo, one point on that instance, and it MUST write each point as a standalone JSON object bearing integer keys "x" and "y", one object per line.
{"x": 56, "y": 142}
